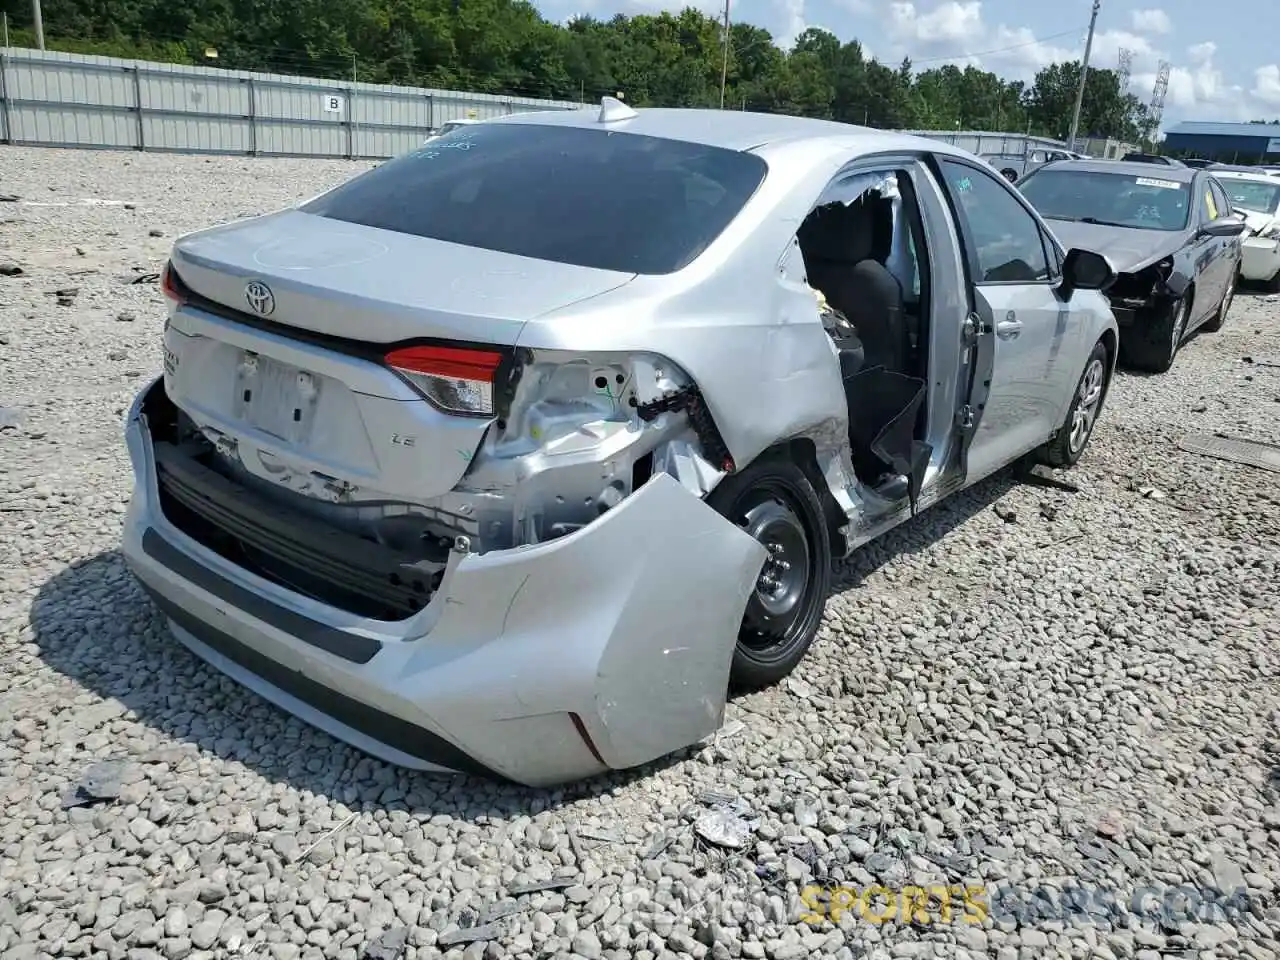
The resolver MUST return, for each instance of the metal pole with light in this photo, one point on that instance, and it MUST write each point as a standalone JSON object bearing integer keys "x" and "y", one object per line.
{"x": 1084, "y": 75}
{"x": 724, "y": 66}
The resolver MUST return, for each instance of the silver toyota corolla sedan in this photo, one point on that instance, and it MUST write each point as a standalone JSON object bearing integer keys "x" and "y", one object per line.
{"x": 513, "y": 455}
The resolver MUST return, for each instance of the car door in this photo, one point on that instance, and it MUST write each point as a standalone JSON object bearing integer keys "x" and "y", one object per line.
{"x": 1013, "y": 270}
{"x": 1234, "y": 246}
{"x": 1209, "y": 253}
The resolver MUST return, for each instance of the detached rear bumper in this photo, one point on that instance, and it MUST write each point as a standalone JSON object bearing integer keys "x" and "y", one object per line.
{"x": 603, "y": 649}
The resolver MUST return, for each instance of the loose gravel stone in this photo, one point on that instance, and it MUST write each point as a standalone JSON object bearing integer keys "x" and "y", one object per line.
{"x": 1080, "y": 702}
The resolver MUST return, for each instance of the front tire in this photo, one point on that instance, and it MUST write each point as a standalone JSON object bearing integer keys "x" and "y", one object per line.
{"x": 774, "y": 501}
{"x": 1066, "y": 448}
{"x": 1151, "y": 347}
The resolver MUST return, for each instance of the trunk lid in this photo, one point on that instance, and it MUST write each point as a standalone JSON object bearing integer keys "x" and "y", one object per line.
{"x": 327, "y": 419}
{"x": 352, "y": 281}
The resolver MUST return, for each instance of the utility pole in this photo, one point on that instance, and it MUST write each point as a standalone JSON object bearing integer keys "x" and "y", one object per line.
{"x": 725, "y": 63}
{"x": 38, "y": 23}
{"x": 1084, "y": 75}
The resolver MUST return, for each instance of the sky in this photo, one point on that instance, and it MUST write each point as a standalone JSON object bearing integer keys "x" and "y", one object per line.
{"x": 1225, "y": 63}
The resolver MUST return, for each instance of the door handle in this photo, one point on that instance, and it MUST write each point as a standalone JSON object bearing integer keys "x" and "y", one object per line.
{"x": 1008, "y": 329}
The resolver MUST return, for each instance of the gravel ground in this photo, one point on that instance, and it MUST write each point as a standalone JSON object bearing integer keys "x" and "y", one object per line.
{"x": 1060, "y": 698}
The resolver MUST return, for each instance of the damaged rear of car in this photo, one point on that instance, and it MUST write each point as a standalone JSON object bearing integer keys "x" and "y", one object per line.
{"x": 1170, "y": 234}
{"x": 428, "y": 462}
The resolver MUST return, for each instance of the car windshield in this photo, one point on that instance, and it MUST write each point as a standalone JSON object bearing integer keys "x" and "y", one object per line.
{"x": 1113, "y": 199}
{"x": 587, "y": 197}
{"x": 1252, "y": 194}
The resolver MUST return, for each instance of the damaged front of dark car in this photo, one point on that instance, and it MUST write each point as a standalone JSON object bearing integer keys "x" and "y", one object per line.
{"x": 1171, "y": 236}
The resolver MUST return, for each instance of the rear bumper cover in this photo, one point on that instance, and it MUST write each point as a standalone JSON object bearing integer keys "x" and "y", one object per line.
{"x": 603, "y": 649}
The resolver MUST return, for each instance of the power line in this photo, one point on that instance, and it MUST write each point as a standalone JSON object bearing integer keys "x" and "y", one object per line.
{"x": 987, "y": 53}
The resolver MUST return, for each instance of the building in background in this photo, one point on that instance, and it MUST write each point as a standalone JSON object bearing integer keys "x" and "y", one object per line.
{"x": 1225, "y": 142}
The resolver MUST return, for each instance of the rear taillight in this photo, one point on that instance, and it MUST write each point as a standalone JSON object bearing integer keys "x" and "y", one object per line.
{"x": 169, "y": 284}
{"x": 455, "y": 379}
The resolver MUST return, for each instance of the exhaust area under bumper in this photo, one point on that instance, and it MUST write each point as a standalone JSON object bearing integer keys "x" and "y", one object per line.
{"x": 603, "y": 649}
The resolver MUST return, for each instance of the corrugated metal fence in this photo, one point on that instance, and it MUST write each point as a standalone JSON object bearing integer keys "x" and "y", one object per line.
{"x": 986, "y": 141}
{"x": 57, "y": 99}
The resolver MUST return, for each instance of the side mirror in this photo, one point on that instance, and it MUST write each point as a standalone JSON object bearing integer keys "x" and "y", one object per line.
{"x": 1229, "y": 226}
{"x": 1085, "y": 270}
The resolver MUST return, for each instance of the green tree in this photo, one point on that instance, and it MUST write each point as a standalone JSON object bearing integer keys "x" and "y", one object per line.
{"x": 506, "y": 46}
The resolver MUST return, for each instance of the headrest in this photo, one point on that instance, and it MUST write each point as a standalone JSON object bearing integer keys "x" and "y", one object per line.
{"x": 837, "y": 232}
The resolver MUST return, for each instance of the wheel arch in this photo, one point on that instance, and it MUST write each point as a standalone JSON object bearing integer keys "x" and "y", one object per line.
{"x": 803, "y": 452}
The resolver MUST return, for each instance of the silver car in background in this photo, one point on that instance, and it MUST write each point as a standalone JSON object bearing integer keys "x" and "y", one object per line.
{"x": 514, "y": 454}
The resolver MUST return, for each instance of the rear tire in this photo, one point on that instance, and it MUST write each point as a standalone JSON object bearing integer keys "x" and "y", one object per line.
{"x": 1065, "y": 449}
{"x": 774, "y": 501}
{"x": 1152, "y": 346}
{"x": 1214, "y": 324}
{"x": 1272, "y": 285}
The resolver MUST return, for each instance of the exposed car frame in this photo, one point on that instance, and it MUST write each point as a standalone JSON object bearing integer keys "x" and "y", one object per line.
{"x": 629, "y": 478}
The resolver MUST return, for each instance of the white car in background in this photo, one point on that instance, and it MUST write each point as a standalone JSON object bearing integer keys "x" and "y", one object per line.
{"x": 449, "y": 126}
{"x": 1256, "y": 197}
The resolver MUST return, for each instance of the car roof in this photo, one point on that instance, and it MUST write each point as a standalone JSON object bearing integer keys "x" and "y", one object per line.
{"x": 739, "y": 130}
{"x": 1245, "y": 175}
{"x": 1131, "y": 168}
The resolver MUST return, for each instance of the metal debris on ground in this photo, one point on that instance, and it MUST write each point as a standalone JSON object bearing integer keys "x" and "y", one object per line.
{"x": 1007, "y": 514}
{"x": 145, "y": 278}
{"x": 1039, "y": 475}
{"x": 1251, "y": 453}
{"x": 10, "y": 269}
{"x": 603, "y": 835}
{"x": 325, "y": 836}
{"x": 726, "y": 825}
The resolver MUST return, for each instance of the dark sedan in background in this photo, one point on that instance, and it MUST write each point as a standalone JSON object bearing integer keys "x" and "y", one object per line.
{"x": 1170, "y": 234}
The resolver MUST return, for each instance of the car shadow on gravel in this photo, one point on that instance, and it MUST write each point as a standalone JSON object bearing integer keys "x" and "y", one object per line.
{"x": 925, "y": 529}
{"x": 94, "y": 625}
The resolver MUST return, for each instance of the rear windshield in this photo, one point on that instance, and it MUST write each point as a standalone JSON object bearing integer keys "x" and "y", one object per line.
{"x": 1114, "y": 199}
{"x": 592, "y": 198}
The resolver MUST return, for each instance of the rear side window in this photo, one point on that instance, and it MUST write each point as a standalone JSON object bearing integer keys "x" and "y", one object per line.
{"x": 592, "y": 198}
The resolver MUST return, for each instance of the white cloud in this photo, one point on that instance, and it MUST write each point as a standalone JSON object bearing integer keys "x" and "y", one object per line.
{"x": 1202, "y": 53}
{"x": 1266, "y": 85}
{"x": 955, "y": 31}
{"x": 791, "y": 14}
{"x": 1151, "y": 21}
{"x": 948, "y": 23}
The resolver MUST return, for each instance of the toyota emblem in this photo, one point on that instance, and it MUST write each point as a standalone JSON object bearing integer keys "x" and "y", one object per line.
{"x": 260, "y": 298}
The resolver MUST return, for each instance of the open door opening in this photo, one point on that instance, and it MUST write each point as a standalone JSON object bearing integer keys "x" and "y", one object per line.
{"x": 864, "y": 253}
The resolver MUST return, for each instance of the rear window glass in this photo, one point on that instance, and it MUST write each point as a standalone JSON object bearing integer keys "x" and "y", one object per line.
{"x": 593, "y": 198}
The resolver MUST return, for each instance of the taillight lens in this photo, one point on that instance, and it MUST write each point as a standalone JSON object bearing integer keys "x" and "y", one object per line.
{"x": 169, "y": 284}
{"x": 455, "y": 379}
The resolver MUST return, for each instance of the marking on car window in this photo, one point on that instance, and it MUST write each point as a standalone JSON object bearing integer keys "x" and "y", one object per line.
{"x": 1162, "y": 184}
